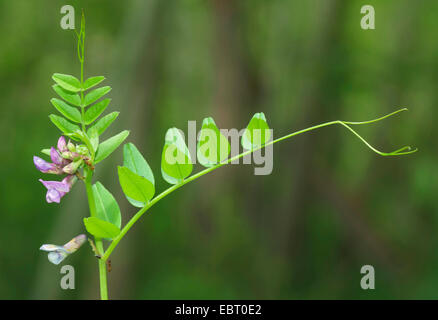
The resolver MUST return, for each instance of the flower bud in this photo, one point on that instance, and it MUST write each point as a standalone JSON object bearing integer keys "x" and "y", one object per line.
{"x": 72, "y": 167}
{"x": 71, "y": 147}
{"x": 81, "y": 149}
{"x": 61, "y": 144}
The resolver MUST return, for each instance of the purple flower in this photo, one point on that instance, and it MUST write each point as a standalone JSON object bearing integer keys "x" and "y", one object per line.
{"x": 61, "y": 158}
{"x": 57, "y": 189}
{"x": 56, "y": 157}
{"x": 46, "y": 167}
{"x": 62, "y": 145}
{"x": 64, "y": 161}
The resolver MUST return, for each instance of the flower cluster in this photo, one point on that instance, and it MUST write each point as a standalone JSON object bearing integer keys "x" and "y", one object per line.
{"x": 67, "y": 158}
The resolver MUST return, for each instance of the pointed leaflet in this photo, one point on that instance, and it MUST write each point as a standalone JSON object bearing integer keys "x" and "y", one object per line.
{"x": 93, "y": 81}
{"x": 95, "y": 111}
{"x": 68, "y": 96}
{"x": 176, "y": 163}
{"x": 66, "y": 110}
{"x": 107, "y": 208}
{"x": 100, "y": 228}
{"x": 109, "y": 145}
{"x": 63, "y": 124}
{"x": 46, "y": 152}
{"x": 257, "y": 132}
{"x": 134, "y": 161}
{"x": 67, "y": 81}
{"x": 104, "y": 123}
{"x": 213, "y": 146}
{"x": 94, "y": 138}
{"x": 95, "y": 95}
{"x": 135, "y": 187}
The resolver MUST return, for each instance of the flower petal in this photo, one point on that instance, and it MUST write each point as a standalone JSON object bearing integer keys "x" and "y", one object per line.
{"x": 56, "y": 185}
{"x": 70, "y": 180}
{"x": 43, "y": 165}
{"x": 50, "y": 247}
{"x": 62, "y": 145}
{"x": 56, "y": 158}
{"x": 53, "y": 195}
{"x": 75, "y": 243}
{"x": 56, "y": 257}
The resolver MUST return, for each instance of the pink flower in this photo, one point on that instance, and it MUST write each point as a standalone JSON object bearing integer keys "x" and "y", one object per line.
{"x": 57, "y": 189}
{"x": 58, "y": 161}
{"x": 46, "y": 167}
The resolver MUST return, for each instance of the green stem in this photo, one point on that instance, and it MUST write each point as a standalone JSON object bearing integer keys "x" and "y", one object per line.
{"x": 133, "y": 220}
{"x": 88, "y": 172}
{"x": 99, "y": 244}
{"x": 102, "y": 273}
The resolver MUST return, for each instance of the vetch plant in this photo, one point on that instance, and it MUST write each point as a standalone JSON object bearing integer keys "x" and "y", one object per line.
{"x": 80, "y": 105}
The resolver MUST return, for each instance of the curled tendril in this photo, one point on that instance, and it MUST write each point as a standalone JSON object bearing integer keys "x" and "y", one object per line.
{"x": 399, "y": 152}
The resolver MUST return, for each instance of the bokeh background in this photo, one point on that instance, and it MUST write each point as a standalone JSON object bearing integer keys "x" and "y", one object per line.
{"x": 330, "y": 205}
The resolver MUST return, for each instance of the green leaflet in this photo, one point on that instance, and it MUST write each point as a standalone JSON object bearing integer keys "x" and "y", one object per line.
{"x": 134, "y": 186}
{"x": 257, "y": 132}
{"x": 63, "y": 124}
{"x": 176, "y": 164}
{"x": 100, "y": 228}
{"x": 46, "y": 152}
{"x": 94, "y": 138}
{"x": 93, "y": 81}
{"x": 108, "y": 146}
{"x": 107, "y": 208}
{"x": 95, "y": 95}
{"x": 134, "y": 161}
{"x": 66, "y": 110}
{"x": 95, "y": 111}
{"x": 67, "y": 81}
{"x": 213, "y": 147}
{"x": 68, "y": 96}
{"x": 103, "y": 123}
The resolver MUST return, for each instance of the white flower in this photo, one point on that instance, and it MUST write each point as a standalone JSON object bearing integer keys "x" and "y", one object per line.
{"x": 58, "y": 253}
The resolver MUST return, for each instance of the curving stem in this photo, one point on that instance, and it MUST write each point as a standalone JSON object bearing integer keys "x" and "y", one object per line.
{"x": 402, "y": 151}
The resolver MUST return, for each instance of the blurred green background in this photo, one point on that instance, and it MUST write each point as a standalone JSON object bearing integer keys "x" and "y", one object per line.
{"x": 330, "y": 205}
